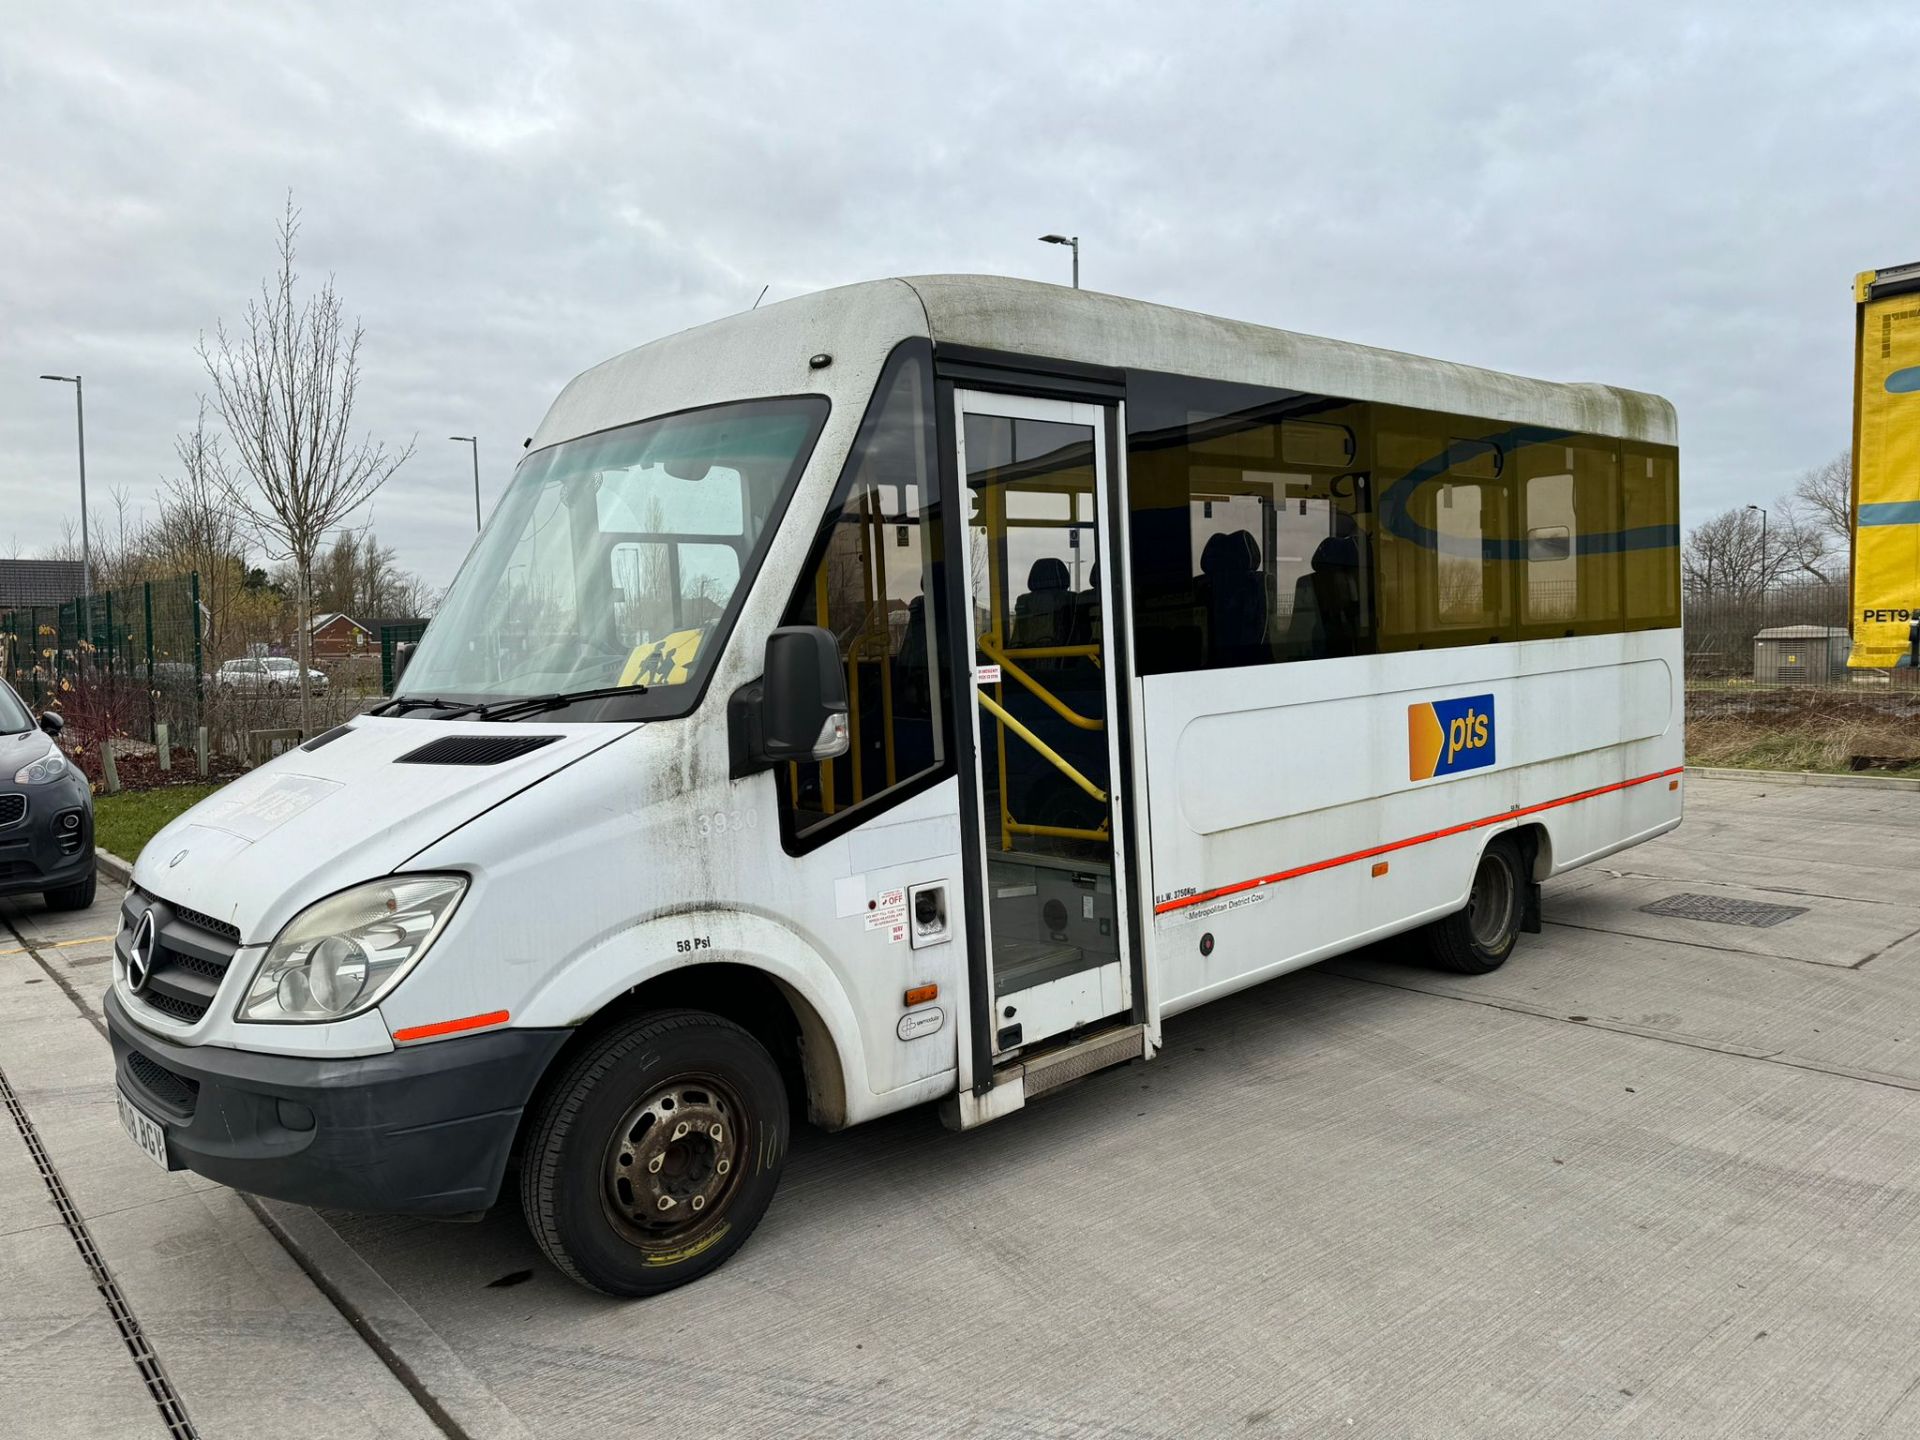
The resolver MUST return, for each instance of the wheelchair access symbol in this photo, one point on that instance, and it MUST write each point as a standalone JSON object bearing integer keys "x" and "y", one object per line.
{"x": 1445, "y": 737}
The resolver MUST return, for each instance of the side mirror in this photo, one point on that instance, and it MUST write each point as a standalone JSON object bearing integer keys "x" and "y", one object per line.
{"x": 52, "y": 723}
{"x": 1549, "y": 542}
{"x": 403, "y": 657}
{"x": 797, "y": 710}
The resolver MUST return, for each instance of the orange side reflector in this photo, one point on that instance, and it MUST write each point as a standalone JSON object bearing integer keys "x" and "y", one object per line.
{"x": 451, "y": 1027}
{"x": 1379, "y": 868}
{"x": 1673, "y": 784}
{"x": 921, "y": 994}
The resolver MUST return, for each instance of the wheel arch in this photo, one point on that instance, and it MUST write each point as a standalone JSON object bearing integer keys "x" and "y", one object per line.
{"x": 1536, "y": 844}
{"x": 767, "y": 1006}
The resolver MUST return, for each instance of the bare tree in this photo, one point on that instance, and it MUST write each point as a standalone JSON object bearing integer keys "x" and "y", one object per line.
{"x": 285, "y": 386}
{"x": 198, "y": 530}
{"x": 1825, "y": 496}
{"x": 1721, "y": 556}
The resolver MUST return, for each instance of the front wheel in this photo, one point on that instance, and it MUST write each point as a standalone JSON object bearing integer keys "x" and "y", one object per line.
{"x": 1478, "y": 939}
{"x": 77, "y": 896}
{"x": 656, "y": 1154}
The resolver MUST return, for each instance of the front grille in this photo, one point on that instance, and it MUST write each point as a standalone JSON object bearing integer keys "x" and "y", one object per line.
{"x": 14, "y": 869}
{"x": 196, "y": 965}
{"x": 178, "y": 1009}
{"x": 13, "y": 809}
{"x": 175, "y": 1092}
{"x": 192, "y": 953}
{"x": 223, "y": 928}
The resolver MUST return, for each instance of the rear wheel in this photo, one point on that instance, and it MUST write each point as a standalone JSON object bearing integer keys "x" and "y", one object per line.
{"x": 656, "y": 1154}
{"x": 1479, "y": 938}
{"x": 77, "y": 896}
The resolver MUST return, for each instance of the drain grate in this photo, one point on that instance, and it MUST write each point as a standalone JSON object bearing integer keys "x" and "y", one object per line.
{"x": 1723, "y": 910}
{"x": 173, "y": 1412}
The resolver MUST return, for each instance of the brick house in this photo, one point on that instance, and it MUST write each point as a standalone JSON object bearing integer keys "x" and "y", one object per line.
{"x": 336, "y": 636}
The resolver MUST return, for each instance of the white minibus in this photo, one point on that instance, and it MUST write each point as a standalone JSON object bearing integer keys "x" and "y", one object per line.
{"x": 915, "y": 691}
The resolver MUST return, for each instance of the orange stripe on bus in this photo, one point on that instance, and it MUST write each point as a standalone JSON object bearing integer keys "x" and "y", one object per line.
{"x": 451, "y": 1027}
{"x": 1168, "y": 906}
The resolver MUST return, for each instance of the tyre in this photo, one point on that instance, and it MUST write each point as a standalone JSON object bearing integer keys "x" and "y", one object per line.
{"x": 77, "y": 896}
{"x": 1478, "y": 939}
{"x": 273, "y": 687}
{"x": 657, "y": 1152}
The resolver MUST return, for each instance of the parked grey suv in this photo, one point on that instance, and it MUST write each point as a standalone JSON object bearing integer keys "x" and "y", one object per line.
{"x": 46, "y": 811}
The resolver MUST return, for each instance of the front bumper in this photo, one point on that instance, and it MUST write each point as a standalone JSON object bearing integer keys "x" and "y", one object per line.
{"x": 34, "y": 853}
{"x": 423, "y": 1130}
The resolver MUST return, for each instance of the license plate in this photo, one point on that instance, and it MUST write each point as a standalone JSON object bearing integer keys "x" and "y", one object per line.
{"x": 147, "y": 1134}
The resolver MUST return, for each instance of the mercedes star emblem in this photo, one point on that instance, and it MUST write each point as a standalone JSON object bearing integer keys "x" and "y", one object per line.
{"x": 140, "y": 954}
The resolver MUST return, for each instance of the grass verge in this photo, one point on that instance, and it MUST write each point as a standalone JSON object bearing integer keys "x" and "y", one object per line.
{"x": 1809, "y": 731}
{"x": 124, "y": 823}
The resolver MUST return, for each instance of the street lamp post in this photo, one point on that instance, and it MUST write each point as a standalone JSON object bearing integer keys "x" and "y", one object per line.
{"x": 1074, "y": 241}
{"x": 1763, "y": 546}
{"x": 474, "y": 442}
{"x": 86, "y": 554}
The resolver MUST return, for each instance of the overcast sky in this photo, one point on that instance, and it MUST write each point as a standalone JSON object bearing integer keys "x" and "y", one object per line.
{"x": 1669, "y": 197}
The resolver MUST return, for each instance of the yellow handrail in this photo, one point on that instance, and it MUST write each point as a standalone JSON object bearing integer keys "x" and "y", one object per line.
{"x": 1059, "y": 832}
{"x": 1053, "y": 652}
{"x": 1059, "y": 707}
{"x": 1047, "y": 752}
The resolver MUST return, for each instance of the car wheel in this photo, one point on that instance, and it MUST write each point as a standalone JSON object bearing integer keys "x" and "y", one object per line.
{"x": 77, "y": 896}
{"x": 1478, "y": 939}
{"x": 655, "y": 1155}
{"x": 273, "y": 687}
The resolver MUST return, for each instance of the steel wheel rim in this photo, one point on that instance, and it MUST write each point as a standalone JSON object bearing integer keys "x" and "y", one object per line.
{"x": 674, "y": 1161}
{"x": 1490, "y": 904}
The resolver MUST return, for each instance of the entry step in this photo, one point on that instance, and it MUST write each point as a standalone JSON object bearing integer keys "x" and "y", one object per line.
{"x": 1080, "y": 1057}
{"x": 1043, "y": 1071}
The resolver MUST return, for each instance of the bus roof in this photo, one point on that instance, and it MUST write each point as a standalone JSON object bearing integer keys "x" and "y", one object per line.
{"x": 1028, "y": 317}
{"x": 752, "y": 353}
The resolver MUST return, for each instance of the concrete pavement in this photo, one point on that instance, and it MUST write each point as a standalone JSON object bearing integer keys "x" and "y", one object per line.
{"x": 1658, "y": 1176}
{"x": 249, "y": 1343}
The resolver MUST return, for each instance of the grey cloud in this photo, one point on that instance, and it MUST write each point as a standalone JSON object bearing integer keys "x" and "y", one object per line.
{"x": 1665, "y": 197}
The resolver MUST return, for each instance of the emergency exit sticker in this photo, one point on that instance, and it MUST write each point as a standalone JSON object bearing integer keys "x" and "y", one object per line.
{"x": 986, "y": 674}
{"x": 888, "y": 911}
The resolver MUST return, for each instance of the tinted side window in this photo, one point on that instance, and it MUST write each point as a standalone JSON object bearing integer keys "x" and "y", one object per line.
{"x": 1650, "y": 535}
{"x": 1449, "y": 527}
{"x": 872, "y": 579}
{"x": 1250, "y": 524}
{"x": 1570, "y": 498}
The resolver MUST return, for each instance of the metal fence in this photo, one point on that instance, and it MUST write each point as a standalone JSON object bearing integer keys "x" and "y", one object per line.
{"x": 391, "y": 637}
{"x": 117, "y": 664}
{"x": 1791, "y": 636}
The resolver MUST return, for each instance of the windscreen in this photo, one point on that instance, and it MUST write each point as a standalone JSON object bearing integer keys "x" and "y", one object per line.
{"x": 13, "y": 715}
{"x": 619, "y": 559}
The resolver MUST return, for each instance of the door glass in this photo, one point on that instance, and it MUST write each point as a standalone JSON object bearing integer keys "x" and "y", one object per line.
{"x": 1033, "y": 555}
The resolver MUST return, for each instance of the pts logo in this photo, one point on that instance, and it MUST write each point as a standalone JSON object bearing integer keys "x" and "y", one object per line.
{"x": 1445, "y": 737}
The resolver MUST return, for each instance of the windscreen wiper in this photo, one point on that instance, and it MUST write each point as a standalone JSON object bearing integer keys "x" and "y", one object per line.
{"x": 400, "y": 704}
{"x": 534, "y": 704}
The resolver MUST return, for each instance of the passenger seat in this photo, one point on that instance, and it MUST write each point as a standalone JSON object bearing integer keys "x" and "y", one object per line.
{"x": 1234, "y": 590}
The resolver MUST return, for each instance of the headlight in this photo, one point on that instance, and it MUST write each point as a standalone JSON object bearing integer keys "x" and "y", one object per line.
{"x": 44, "y": 771}
{"x": 340, "y": 956}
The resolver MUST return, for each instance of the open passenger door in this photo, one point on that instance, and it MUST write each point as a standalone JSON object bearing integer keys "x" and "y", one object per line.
{"x": 1052, "y": 903}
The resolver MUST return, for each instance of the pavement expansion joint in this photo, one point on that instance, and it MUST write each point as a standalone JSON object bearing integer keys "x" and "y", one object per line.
{"x": 173, "y": 1410}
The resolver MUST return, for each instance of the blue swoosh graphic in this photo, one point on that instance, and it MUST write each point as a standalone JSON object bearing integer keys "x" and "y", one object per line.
{"x": 1904, "y": 382}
